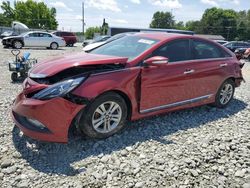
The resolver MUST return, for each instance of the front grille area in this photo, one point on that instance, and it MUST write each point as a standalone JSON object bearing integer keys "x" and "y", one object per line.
{"x": 28, "y": 124}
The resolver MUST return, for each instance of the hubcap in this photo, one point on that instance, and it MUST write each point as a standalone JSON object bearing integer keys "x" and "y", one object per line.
{"x": 107, "y": 117}
{"x": 18, "y": 44}
{"x": 226, "y": 94}
{"x": 54, "y": 46}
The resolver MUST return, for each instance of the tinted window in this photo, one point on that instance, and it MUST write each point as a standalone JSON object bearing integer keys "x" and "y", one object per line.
{"x": 206, "y": 50}
{"x": 174, "y": 51}
{"x": 57, "y": 33}
{"x": 45, "y": 35}
{"x": 34, "y": 35}
{"x": 67, "y": 34}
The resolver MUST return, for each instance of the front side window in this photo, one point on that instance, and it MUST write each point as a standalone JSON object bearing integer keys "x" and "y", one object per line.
{"x": 175, "y": 51}
{"x": 33, "y": 35}
{"x": 206, "y": 50}
{"x": 129, "y": 46}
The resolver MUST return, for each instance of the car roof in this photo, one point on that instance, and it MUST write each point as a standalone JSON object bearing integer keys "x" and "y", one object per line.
{"x": 39, "y": 32}
{"x": 162, "y": 36}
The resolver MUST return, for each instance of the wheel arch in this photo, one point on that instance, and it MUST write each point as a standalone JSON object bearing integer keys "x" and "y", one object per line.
{"x": 230, "y": 78}
{"x": 124, "y": 96}
{"x": 74, "y": 126}
{"x": 20, "y": 40}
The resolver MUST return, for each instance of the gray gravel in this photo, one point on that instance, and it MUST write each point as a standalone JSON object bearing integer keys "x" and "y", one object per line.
{"x": 199, "y": 147}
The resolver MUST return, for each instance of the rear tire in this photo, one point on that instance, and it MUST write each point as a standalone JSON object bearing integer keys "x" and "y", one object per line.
{"x": 54, "y": 46}
{"x": 225, "y": 94}
{"x": 14, "y": 77}
{"x": 104, "y": 117}
{"x": 17, "y": 44}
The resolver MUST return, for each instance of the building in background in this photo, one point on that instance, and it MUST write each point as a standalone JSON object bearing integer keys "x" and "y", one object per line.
{"x": 116, "y": 30}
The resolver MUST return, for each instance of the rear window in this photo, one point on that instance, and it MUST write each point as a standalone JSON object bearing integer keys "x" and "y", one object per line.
{"x": 67, "y": 34}
{"x": 206, "y": 50}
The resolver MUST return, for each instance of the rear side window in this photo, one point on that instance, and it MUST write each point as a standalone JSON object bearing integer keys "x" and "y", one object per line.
{"x": 175, "y": 51}
{"x": 206, "y": 50}
{"x": 67, "y": 34}
{"x": 57, "y": 33}
{"x": 45, "y": 35}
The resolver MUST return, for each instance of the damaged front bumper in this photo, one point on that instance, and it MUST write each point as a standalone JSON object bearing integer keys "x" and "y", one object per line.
{"x": 45, "y": 120}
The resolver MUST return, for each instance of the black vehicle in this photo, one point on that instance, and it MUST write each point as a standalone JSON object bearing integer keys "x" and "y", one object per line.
{"x": 7, "y": 34}
{"x": 236, "y": 44}
{"x": 240, "y": 52}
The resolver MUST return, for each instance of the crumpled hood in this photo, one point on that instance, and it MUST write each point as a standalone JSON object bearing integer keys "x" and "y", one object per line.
{"x": 58, "y": 64}
{"x": 12, "y": 37}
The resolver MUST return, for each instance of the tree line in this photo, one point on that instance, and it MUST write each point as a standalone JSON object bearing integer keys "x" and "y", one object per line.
{"x": 33, "y": 14}
{"x": 230, "y": 24}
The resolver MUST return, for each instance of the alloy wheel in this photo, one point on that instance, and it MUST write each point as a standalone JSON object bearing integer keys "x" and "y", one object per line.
{"x": 54, "y": 46}
{"x": 18, "y": 45}
{"x": 107, "y": 117}
{"x": 226, "y": 93}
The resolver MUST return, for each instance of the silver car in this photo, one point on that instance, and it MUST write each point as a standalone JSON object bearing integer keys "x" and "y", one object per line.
{"x": 34, "y": 39}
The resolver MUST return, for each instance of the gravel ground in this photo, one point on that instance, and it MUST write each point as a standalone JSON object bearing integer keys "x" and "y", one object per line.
{"x": 199, "y": 147}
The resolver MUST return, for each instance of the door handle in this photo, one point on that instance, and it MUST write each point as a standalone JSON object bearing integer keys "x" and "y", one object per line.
{"x": 189, "y": 71}
{"x": 223, "y": 65}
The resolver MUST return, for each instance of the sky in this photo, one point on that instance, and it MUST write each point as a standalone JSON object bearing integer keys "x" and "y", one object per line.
{"x": 132, "y": 13}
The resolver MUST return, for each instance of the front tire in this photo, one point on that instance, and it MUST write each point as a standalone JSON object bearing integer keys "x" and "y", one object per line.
{"x": 54, "y": 46}
{"x": 104, "y": 117}
{"x": 225, "y": 94}
{"x": 17, "y": 44}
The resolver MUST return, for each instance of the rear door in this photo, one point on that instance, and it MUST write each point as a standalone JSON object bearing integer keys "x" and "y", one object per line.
{"x": 170, "y": 85}
{"x": 211, "y": 65}
{"x": 45, "y": 39}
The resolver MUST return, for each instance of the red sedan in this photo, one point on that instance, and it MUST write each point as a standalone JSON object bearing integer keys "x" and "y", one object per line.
{"x": 131, "y": 78}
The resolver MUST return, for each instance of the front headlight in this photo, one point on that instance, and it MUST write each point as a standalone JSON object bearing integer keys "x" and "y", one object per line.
{"x": 59, "y": 89}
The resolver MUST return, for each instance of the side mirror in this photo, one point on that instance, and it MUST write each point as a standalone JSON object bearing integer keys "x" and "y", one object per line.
{"x": 156, "y": 61}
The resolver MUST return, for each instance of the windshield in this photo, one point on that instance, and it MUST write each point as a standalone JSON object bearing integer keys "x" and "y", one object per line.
{"x": 129, "y": 46}
{"x": 23, "y": 34}
{"x": 100, "y": 39}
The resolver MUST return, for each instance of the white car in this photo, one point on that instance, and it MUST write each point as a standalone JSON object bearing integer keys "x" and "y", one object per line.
{"x": 34, "y": 39}
{"x": 95, "y": 45}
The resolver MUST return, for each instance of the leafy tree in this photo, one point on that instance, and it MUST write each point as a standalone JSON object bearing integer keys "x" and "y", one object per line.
{"x": 31, "y": 13}
{"x": 90, "y": 32}
{"x": 8, "y": 15}
{"x": 179, "y": 25}
{"x": 220, "y": 22}
{"x": 194, "y": 26}
{"x": 163, "y": 20}
{"x": 243, "y": 25}
{"x": 104, "y": 28}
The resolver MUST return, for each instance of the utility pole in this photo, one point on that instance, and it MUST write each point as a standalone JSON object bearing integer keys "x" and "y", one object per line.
{"x": 83, "y": 22}
{"x": 228, "y": 32}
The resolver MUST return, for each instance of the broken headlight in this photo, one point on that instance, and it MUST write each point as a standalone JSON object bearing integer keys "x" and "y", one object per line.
{"x": 59, "y": 89}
